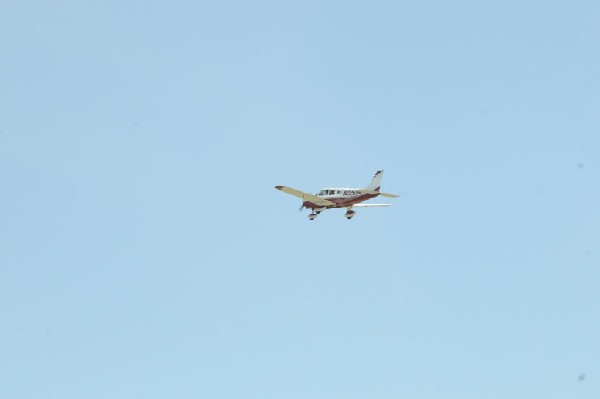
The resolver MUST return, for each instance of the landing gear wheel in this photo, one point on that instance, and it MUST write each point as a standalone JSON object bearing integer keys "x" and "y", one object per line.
{"x": 312, "y": 216}
{"x": 350, "y": 214}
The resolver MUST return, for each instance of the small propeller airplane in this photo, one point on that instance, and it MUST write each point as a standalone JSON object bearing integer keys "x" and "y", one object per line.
{"x": 348, "y": 198}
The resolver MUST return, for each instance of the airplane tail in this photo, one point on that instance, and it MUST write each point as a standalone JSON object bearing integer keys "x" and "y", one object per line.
{"x": 376, "y": 182}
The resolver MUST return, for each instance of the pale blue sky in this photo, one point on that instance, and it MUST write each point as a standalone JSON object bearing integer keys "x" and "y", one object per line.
{"x": 145, "y": 254}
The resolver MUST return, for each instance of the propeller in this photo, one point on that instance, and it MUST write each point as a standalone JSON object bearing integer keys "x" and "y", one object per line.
{"x": 301, "y": 207}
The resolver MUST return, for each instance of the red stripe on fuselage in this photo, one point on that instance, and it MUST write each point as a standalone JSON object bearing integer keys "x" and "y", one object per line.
{"x": 341, "y": 202}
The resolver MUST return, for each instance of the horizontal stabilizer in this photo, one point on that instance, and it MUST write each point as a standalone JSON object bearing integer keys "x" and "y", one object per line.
{"x": 378, "y": 193}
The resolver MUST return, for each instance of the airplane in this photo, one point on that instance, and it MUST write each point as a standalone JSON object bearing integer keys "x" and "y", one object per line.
{"x": 334, "y": 197}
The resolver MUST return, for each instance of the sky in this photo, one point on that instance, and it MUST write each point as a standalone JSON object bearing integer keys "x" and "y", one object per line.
{"x": 144, "y": 252}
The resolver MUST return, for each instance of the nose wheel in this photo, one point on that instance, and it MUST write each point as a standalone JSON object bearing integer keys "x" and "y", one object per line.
{"x": 312, "y": 216}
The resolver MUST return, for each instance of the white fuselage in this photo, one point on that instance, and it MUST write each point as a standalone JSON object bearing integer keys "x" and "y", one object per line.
{"x": 342, "y": 197}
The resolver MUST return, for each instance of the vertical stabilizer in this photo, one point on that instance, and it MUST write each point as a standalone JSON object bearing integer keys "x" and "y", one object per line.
{"x": 376, "y": 182}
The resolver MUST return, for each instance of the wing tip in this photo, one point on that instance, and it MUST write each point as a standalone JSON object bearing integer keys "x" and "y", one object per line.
{"x": 278, "y": 187}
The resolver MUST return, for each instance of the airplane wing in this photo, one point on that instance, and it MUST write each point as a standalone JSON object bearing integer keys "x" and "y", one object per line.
{"x": 378, "y": 193}
{"x": 305, "y": 196}
{"x": 369, "y": 205}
